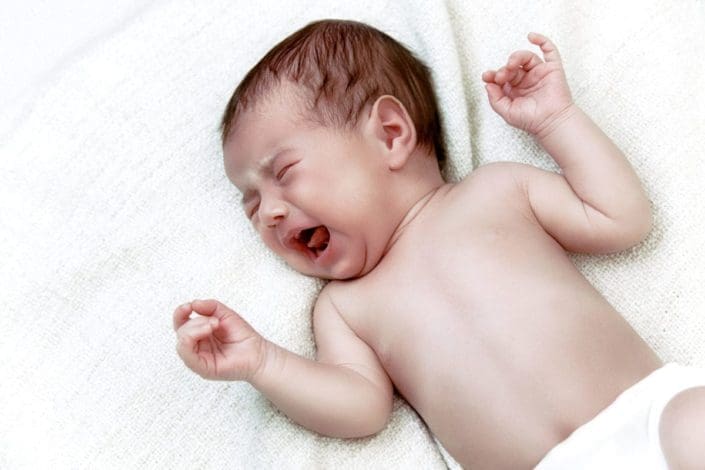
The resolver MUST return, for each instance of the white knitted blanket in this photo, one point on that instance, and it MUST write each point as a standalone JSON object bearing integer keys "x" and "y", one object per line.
{"x": 114, "y": 209}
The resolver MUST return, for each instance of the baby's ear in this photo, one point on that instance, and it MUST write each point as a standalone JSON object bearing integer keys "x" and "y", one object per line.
{"x": 390, "y": 126}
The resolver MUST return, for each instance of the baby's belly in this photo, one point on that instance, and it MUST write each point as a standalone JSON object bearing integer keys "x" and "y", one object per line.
{"x": 501, "y": 383}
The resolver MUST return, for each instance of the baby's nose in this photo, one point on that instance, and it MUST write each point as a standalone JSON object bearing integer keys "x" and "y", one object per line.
{"x": 273, "y": 211}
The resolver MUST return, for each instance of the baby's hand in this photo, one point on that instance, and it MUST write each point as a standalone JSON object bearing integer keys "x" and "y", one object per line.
{"x": 528, "y": 93}
{"x": 217, "y": 344}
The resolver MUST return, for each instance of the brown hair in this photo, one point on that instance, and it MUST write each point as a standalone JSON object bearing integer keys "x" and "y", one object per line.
{"x": 342, "y": 66}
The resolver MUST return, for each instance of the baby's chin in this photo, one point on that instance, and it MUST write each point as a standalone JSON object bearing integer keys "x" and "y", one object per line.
{"x": 343, "y": 270}
{"x": 330, "y": 275}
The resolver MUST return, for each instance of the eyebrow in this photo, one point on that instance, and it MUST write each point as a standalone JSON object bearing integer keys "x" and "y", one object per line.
{"x": 265, "y": 168}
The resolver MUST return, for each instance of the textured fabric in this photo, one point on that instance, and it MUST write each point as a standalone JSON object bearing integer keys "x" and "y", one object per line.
{"x": 114, "y": 209}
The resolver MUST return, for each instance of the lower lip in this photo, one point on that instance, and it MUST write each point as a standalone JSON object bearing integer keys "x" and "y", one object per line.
{"x": 323, "y": 257}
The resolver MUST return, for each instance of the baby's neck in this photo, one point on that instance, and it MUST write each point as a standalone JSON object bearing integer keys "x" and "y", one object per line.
{"x": 410, "y": 216}
{"x": 417, "y": 206}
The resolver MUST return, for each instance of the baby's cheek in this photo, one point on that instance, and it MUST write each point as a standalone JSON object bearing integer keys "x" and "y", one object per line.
{"x": 271, "y": 242}
{"x": 302, "y": 192}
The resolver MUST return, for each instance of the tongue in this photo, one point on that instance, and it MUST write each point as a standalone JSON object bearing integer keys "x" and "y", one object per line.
{"x": 319, "y": 239}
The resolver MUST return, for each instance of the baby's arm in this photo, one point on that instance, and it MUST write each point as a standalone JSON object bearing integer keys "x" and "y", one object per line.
{"x": 598, "y": 203}
{"x": 344, "y": 393}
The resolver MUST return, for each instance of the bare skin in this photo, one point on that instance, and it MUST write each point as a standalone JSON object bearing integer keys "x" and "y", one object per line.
{"x": 682, "y": 429}
{"x": 524, "y": 339}
{"x": 462, "y": 296}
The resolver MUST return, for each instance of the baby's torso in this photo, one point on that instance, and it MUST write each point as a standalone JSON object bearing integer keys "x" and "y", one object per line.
{"x": 489, "y": 331}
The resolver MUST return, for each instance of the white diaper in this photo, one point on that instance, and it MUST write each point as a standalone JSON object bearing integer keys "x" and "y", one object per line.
{"x": 625, "y": 435}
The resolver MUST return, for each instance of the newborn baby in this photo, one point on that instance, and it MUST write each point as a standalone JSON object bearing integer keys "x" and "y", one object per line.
{"x": 459, "y": 295}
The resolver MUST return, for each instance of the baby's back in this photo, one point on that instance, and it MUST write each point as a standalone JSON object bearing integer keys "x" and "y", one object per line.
{"x": 487, "y": 328}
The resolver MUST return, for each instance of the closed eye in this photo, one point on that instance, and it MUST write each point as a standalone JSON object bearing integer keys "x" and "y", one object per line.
{"x": 252, "y": 210}
{"x": 284, "y": 170}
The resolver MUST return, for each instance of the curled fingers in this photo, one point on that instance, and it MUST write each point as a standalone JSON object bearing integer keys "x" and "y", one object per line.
{"x": 549, "y": 50}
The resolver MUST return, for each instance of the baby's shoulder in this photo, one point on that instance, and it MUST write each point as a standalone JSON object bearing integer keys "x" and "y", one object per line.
{"x": 347, "y": 297}
{"x": 334, "y": 294}
{"x": 495, "y": 173}
{"x": 493, "y": 183}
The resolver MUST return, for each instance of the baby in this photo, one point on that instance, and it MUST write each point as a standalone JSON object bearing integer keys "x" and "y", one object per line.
{"x": 459, "y": 295}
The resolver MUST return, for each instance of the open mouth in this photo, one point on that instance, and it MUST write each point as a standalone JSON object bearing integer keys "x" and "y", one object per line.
{"x": 314, "y": 240}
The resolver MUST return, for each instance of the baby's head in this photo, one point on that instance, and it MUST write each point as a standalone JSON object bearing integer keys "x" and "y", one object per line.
{"x": 339, "y": 68}
{"x": 330, "y": 137}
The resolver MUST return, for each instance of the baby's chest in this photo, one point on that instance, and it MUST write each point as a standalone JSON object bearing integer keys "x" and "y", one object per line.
{"x": 456, "y": 267}
{"x": 457, "y": 284}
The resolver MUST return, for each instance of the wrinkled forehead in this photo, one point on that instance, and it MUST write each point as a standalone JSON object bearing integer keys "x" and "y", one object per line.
{"x": 262, "y": 129}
